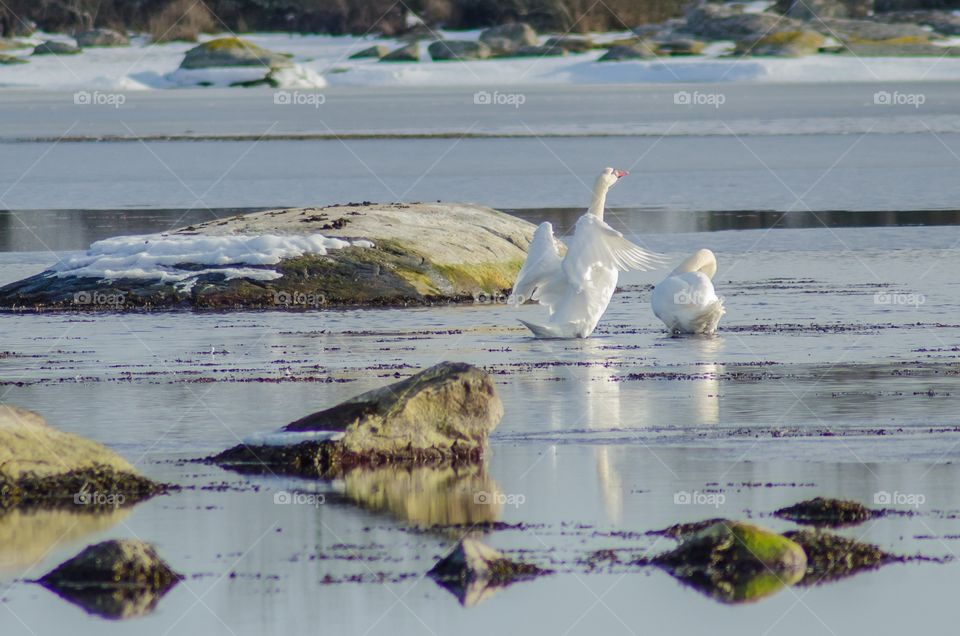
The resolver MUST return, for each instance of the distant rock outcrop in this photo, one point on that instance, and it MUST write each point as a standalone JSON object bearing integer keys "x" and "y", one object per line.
{"x": 101, "y": 37}
{"x": 507, "y": 38}
{"x": 52, "y": 47}
{"x": 458, "y": 50}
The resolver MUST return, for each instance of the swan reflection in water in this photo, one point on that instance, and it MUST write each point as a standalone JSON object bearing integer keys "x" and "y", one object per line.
{"x": 601, "y": 402}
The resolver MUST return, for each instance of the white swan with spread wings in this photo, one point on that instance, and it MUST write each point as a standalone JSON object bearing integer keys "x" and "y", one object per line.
{"x": 576, "y": 288}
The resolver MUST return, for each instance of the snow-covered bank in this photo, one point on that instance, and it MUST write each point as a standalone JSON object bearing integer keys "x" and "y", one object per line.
{"x": 325, "y": 60}
{"x": 162, "y": 257}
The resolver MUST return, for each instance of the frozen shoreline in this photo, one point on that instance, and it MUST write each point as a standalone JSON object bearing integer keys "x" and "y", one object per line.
{"x": 143, "y": 66}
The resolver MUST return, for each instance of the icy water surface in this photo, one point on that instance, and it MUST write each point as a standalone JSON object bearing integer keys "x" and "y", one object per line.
{"x": 834, "y": 374}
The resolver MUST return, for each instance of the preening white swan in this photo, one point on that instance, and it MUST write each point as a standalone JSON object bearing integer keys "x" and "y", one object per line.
{"x": 577, "y": 287}
{"x": 685, "y": 300}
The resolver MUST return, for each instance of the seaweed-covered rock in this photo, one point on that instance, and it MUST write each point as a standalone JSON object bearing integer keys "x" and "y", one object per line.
{"x": 440, "y": 415}
{"x": 407, "y": 53}
{"x": 458, "y": 50}
{"x": 783, "y": 44}
{"x": 639, "y": 51}
{"x": 734, "y": 561}
{"x": 393, "y": 254}
{"x": 114, "y": 579}
{"x": 821, "y": 511}
{"x": 831, "y": 557}
{"x": 231, "y": 52}
{"x": 43, "y": 467}
{"x": 507, "y": 38}
{"x": 101, "y": 37}
{"x": 52, "y": 47}
{"x": 376, "y": 51}
{"x": 473, "y": 571}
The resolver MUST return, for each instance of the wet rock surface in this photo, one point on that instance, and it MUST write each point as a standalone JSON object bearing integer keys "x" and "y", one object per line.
{"x": 46, "y": 468}
{"x": 831, "y": 557}
{"x": 407, "y": 254}
{"x": 114, "y": 579}
{"x": 734, "y": 562}
{"x": 440, "y": 415}
{"x": 407, "y": 53}
{"x": 473, "y": 571}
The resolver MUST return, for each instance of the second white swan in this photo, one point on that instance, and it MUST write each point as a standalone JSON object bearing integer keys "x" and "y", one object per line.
{"x": 685, "y": 300}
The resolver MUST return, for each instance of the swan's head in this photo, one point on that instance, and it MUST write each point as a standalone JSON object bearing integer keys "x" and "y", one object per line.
{"x": 609, "y": 176}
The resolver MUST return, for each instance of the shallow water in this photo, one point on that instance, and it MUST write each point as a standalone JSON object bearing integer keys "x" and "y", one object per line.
{"x": 812, "y": 387}
{"x": 834, "y": 372}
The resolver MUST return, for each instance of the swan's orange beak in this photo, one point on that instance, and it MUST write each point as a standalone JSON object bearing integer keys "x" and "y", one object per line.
{"x": 620, "y": 173}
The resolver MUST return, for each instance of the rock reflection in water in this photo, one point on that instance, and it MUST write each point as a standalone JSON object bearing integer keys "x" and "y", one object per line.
{"x": 26, "y": 536}
{"x": 426, "y": 496}
{"x": 117, "y": 603}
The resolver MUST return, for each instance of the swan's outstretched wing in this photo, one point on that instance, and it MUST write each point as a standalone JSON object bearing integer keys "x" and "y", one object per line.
{"x": 541, "y": 277}
{"x": 597, "y": 244}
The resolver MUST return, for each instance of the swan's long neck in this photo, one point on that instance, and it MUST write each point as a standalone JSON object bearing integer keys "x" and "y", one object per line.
{"x": 702, "y": 261}
{"x": 599, "y": 201}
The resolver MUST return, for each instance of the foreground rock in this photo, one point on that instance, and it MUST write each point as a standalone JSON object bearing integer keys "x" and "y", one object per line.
{"x": 473, "y": 572}
{"x": 831, "y": 557}
{"x": 442, "y": 415}
{"x": 821, "y": 511}
{"x": 394, "y": 254}
{"x": 232, "y": 61}
{"x": 9, "y": 60}
{"x": 101, "y": 37}
{"x": 46, "y": 468}
{"x": 735, "y": 562}
{"x": 114, "y": 579}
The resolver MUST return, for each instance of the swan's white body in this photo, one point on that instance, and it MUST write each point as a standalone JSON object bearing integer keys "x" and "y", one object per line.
{"x": 576, "y": 288}
{"x": 685, "y": 300}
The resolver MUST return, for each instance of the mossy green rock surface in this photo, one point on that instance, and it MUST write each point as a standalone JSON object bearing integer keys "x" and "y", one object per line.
{"x": 735, "y": 562}
{"x": 232, "y": 51}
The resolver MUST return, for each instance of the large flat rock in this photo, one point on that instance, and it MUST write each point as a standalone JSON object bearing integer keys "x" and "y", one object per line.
{"x": 387, "y": 254}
